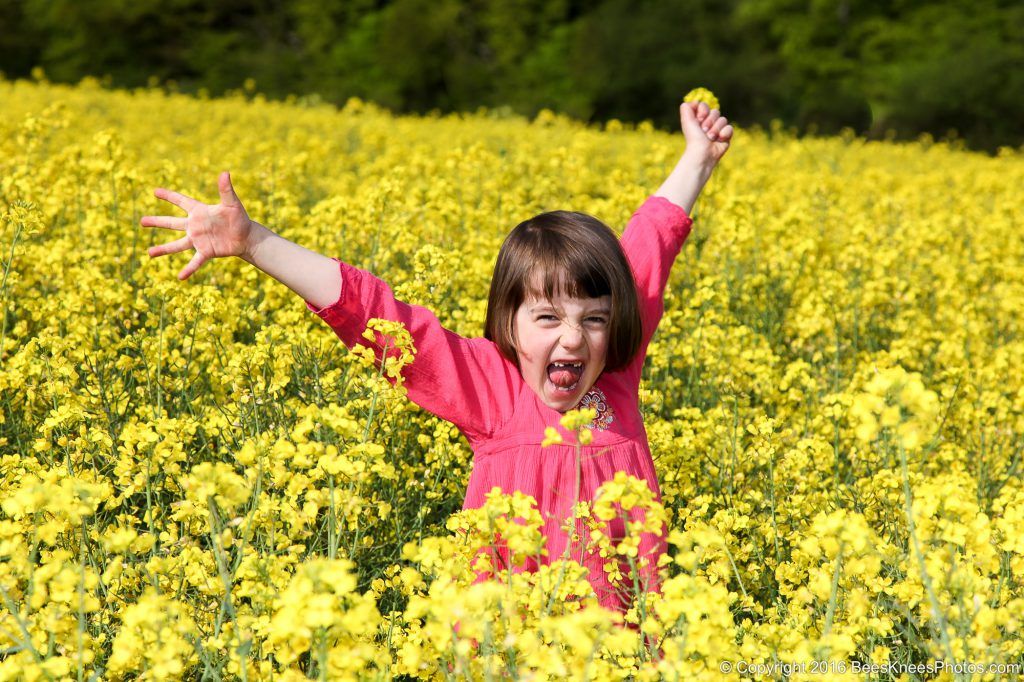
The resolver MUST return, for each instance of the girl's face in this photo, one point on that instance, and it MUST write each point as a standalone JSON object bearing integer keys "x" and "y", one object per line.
{"x": 562, "y": 346}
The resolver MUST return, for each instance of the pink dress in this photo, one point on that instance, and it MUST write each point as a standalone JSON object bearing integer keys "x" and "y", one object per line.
{"x": 468, "y": 382}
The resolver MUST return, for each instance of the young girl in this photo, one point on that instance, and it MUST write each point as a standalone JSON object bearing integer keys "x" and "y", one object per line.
{"x": 570, "y": 314}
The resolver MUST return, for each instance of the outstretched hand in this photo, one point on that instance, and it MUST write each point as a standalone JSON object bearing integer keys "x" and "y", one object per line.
{"x": 707, "y": 132}
{"x": 214, "y": 231}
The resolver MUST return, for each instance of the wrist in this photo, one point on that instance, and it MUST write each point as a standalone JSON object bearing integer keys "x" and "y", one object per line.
{"x": 697, "y": 164}
{"x": 687, "y": 180}
{"x": 257, "y": 235}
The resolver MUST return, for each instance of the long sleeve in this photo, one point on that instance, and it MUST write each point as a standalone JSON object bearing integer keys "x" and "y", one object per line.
{"x": 464, "y": 381}
{"x": 652, "y": 240}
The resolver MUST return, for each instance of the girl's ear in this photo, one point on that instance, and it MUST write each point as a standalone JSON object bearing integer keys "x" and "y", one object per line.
{"x": 513, "y": 333}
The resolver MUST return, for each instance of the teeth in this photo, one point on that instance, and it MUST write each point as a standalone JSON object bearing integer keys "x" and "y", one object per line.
{"x": 567, "y": 364}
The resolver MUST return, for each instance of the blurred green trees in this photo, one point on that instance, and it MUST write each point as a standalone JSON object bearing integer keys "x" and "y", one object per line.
{"x": 909, "y": 66}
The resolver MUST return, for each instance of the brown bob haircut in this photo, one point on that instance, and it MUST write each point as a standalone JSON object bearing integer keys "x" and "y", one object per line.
{"x": 573, "y": 254}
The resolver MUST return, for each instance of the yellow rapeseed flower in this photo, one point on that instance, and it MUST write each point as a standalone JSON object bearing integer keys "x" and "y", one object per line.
{"x": 702, "y": 95}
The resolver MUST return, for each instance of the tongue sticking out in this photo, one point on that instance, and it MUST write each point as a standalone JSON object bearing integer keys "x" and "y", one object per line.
{"x": 564, "y": 377}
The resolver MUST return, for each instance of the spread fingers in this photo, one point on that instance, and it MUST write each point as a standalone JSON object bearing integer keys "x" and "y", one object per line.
{"x": 163, "y": 221}
{"x": 176, "y": 246}
{"x": 180, "y": 200}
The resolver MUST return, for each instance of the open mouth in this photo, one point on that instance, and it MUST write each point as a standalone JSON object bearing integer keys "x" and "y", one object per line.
{"x": 565, "y": 376}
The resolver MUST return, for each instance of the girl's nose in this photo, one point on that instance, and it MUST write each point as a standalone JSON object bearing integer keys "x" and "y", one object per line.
{"x": 572, "y": 336}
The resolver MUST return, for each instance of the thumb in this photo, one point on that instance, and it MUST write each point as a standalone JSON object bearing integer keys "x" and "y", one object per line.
{"x": 688, "y": 116}
{"x": 197, "y": 260}
{"x": 689, "y": 111}
{"x": 688, "y": 119}
{"x": 227, "y": 192}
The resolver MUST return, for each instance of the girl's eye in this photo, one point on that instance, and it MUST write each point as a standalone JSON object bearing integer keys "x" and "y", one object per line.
{"x": 600, "y": 320}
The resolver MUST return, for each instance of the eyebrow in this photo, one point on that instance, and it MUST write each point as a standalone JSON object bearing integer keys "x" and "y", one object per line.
{"x": 547, "y": 306}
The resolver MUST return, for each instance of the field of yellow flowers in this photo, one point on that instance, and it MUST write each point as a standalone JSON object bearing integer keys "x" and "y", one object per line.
{"x": 198, "y": 481}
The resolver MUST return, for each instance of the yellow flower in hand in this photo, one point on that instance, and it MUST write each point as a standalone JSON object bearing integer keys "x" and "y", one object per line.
{"x": 702, "y": 95}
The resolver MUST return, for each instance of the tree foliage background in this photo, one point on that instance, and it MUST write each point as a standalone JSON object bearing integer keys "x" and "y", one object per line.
{"x": 905, "y": 66}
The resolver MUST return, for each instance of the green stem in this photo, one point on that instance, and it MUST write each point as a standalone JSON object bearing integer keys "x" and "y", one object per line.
{"x": 925, "y": 579}
{"x": 3, "y": 290}
{"x": 27, "y": 642}
{"x": 835, "y": 591}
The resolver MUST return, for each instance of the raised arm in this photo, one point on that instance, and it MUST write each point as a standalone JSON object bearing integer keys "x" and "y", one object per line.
{"x": 708, "y": 135}
{"x": 465, "y": 381}
{"x": 657, "y": 230}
